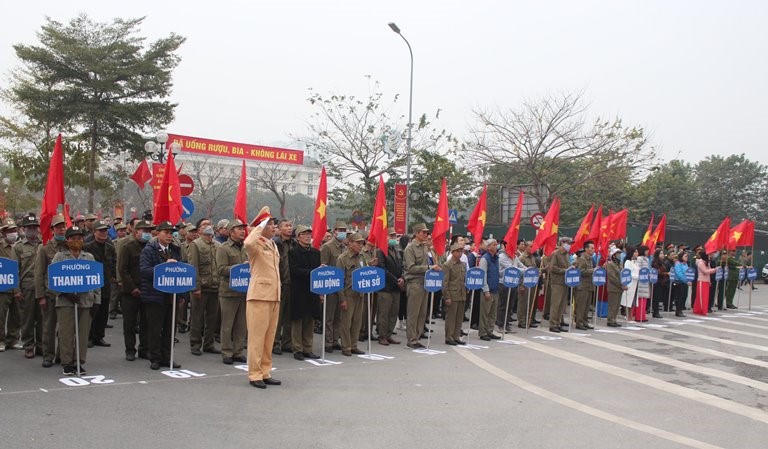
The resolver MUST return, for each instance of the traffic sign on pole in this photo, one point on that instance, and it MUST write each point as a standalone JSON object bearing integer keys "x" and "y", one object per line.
{"x": 188, "y": 207}
{"x": 453, "y": 216}
{"x": 186, "y": 185}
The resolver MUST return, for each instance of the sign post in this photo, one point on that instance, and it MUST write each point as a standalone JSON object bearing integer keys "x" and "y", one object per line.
{"x": 175, "y": 278}
{"x": 75, "y": 276}
{"x": 572, "y": 279}
{"x": 752, "y": 276}
{"x": 599, "y": 278}
{"x": 530, "y": 281}
{"x": 368, "y": 280}
{"x": 511, "y": 279}
{"x": 433, "y": 282}
{"x": 474, "y": 280}
{"x": 626, "y": 279}
{"x": 324, "y": 281}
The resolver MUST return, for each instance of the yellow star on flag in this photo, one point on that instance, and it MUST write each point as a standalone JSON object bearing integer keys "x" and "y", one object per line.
{"x": 714, "y": 236}
{"x": 383, "y": 217}
{"x": 482, "y": 217}
{"x": 321, "y": 209}
{"x": 554, "y": 229}
{"x": 737, "y": 235}
{"x": 543, "y": 222}
{"x": 439, "y": 218}
{"x": 170, "y": 190}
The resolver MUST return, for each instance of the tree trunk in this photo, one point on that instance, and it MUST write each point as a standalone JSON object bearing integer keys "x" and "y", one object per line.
{"x": 91, "y": 168}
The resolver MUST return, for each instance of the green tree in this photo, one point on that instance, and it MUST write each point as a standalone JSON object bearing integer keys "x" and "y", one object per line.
{"x": 670, "y": 188}
{"x": 101, "y": 82}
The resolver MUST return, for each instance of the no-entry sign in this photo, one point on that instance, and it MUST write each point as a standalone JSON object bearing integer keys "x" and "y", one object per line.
{"x": 186, "y": 185}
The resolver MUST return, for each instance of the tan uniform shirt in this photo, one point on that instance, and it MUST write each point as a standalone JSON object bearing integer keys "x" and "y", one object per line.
{"x": 265, "y": 268}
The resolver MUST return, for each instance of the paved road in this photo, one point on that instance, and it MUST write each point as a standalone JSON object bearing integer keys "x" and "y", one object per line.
{"x": 673, "y": 382}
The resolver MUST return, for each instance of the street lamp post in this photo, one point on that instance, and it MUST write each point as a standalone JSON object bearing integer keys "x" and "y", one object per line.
{"x": 156, "y": 150}
{"x": 396, "y": 29}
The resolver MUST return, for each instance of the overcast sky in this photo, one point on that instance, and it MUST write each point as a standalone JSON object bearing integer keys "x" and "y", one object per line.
{"x": 693, "y": 73}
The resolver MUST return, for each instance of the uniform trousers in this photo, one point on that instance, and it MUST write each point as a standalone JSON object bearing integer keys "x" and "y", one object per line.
{"x": 50, "y": 319}
{"x": 351, "y": 319}
{"x": 730, "y": 291}
{"x": 99, "y": 322}
{"x": 523, "y": 303}
{"x": 284, "y": 323}
{"x": 557, "y": 304}
{"x": 417, "y": 310}
{"x": 233, "y": 326}
{"x": 31, "y": 320}
{"x": 583, "y": 298}
{"x": 332, "y": 319}
{"x": 159, "y": 318}
{"x": 204, "y": 311}
{"x": 302, "y": 333}
{"x": 613, "y": 306}
{"x": 133, "y": 314}
{"x": 454, "y": 318}
{"x": 66, "y": 318}
{"x": 488, "y": 308}
{"x": 387, "y": 308}
{"x": 262, "y": 319}
{"x": 9, "y": 313}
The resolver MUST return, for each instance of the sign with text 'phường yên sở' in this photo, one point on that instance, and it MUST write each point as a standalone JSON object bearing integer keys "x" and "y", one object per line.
{"x": 368, "y": 279}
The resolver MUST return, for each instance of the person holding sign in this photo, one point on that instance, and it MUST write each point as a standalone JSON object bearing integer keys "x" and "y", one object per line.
{"x": 680, "y": 283}
{"x": 88, "y": 304}
{"x": 525, "y": 302}
{"x": 302, "y": 259}
{"x": 158, "y": 306}
{"x": 9, "y": 307}
{"x": 24, "y": 252}
{"x": 46, "y": 297}
{"x": 614, "y": 286}
{"x": 416, "y": 262}
{"x": 329, "y": 252}
{"x": 454, "y": 295}
{"x": 350, "y": 301}
{"x": 557, "y": 265}
{"x": 262, "y": 307}
{"x": 585, "y": 290}
{"x": 103, "y": 251}
{"x": 233, "y": 321}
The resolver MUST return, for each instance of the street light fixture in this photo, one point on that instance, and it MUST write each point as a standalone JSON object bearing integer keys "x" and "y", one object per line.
{"x": 156, "y": 150}
{"x": 396, "y": 29}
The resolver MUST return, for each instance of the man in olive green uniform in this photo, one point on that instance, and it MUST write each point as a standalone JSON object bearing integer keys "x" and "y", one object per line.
{"x": 9, "y": 305}
{"x": 350, "y": 301}
{"x": 732, "y": 281}
{"x": 182, "y": 312}
{"x": 613, "y": 283}
{"x": 285, "y": 242}
{"x": 585, "y": 291}
{"x": 416, "y": 262}
{"x": 128, "y": 262}
{"x": 24, "y": 252}
{"x": 559, "y": 262}
{"x": 329, "y": 253}
{"x": 454, "y": 294}
{"x": 114, "y": 300}
{"x": 233, "y": 322}
{"x": 103, "y": 251}
{"x": 205, "y": 297}
{"x": 525, "y": 258}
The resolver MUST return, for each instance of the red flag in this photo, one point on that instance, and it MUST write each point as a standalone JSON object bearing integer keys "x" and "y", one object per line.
{"x": 648, "y": 232}
{"x": 378, "y": 235}
{"x": 319, "y": 221}
{"x": 547, "y": 235}
{"x": 168, "y": 202}
{"x": 442, "y": 224}
{"x": 241, "y": 198}
{"x": 142, "y": 174}
{"x": 597, "y": 223}
{"x": 67, "y": 218}
{"x": 719, "y": 238}
{"x": 743, "y": 234}
{"x": 619, "y": 225}
{"x": 53, "y": 196}
{"x": 476, "y": 224}
{"x": 514, "y": 227}
{"x": 583, "y": 232}
{"x": 659, "y": 234}
{"x": 606, "y": 229}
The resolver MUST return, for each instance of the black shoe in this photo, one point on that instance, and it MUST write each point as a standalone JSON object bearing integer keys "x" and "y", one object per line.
{"x": 461, "y": 343}
{"x": 272, "y": 381}
{"x": 308, "y": 355}
{"x": 546, "y": 316}
{"x": 337, "y": 346}
{"x": 277, "y": 351}
{"x": 109, "y": 326}
{"x": 227, "y": 360}
{"x": 423, "y": 336}
{"x": 555, "y": 329}
{"x": 90, "y": 344}
{"x": 239, "y": 359}
{"x": 451, "y": 342}
{"x": 731, "y": 306}
{"x": 196, "y": 351}
{"x": 329, "y": 349}
{"x": 47, "y": 363}
{"x": 113, "y": 316}
{"x": 657, "y": 315}
{"x": 485, "y": 338}
{"x": 474, "y": 326}
{"x": 614, "y": 325}
{"x": 258, "y": 384}
{"x": 495, "y": 337}
{"x": 212, "y": 350}
{"x": 464, "y": 334}
{"x": 357, "y": 351}
{"x": 298, "y": 356}
{"x": 183, "y": 329}
{"x": 581, "y": 328}
{"x": 167, "y": 364}
{"x": 144, "y": 355}
{"x": 415, "y": 345}
{"x": 130, "y": 357}
{"x": 68, "y": 370}
{"x": 535, "y": 321}
{"x": 102, "y": 343}
{"x": 154, "y": 365}
{"x": 680, "y": 314}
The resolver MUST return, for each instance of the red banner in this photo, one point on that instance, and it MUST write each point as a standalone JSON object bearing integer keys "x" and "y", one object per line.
{"x": 401, "y": 194}
{"x": 157, "y": 179}
{"x": 212, "y": 147}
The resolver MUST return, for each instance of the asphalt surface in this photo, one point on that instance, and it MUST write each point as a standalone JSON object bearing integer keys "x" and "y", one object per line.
{"x": 668, "y": 383}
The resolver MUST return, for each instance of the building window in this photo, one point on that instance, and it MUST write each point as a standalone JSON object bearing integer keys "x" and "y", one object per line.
{"x": 310, "y": 190}
{"x": 311, "y": 177}
{"x": 292, "y": 188}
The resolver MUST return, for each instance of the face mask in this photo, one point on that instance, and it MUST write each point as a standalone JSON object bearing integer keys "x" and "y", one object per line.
{"x": 146, "y": 236}
{"x": 12, "y": 236}
{"x": 176, "y": 235}
{"x": 340, "y": 236}
{"x": 567, "y": 246}
{"x": 75, "y": 245}
{"x": 59, "y": 238}
{"x": 466, "y": 247}
{"x": 208, "y": 231}
{"x": 392, "y": 242}
{"x": 31, "y": 234}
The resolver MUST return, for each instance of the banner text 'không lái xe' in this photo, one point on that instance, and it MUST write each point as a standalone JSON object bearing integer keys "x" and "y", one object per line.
{"x": 237, "y": 150}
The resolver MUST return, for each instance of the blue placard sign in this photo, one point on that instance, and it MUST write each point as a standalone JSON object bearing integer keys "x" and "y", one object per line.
{"x": 512, "y": 277}
{"x": 742, "y": 273}
{"x": 326, "y": 280}
{"x": 626, "y": 276}
{"x": 690, "y": 274}
{"x": 75, "y": 276}
{"x": 599, "y": 276}
{"x": 531, "y": 277}
{"x": 174, "y": 277}
{"x": 9, "y": 274}
{"x": 368, "y": 279}
{"x": 572, "y": 277}
{"x": 475, "y": 278}
{"x": 751, "y": 274}
{"x": 187, "y": 207}
{"x": 719, "y": 274}
{"x": 433, "y": 280}
{"x": 239, "y": 276}
{"x": 653, "y": 276}
{"x": 645, "y": 275}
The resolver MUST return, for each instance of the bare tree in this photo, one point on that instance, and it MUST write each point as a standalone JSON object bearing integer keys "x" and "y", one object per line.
{"x": 542, "y": 142}
{"x": 214, "y": 183}
{"x": 276, "y": 178}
